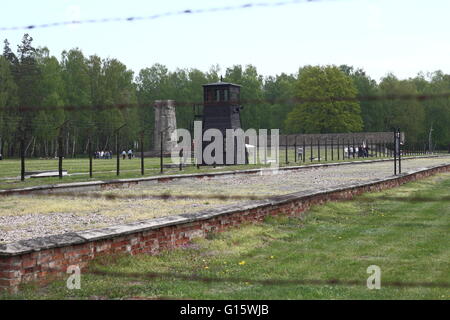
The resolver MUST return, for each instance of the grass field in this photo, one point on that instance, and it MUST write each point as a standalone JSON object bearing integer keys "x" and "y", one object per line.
{"x": 78, "y": 169}
{"x": 404, "y": 231}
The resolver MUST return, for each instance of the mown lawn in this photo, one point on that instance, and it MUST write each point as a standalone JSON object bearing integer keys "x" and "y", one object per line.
{"x": 404, "y": 231}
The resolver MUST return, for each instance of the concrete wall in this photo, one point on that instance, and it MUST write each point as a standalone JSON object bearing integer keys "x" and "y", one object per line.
{"x": 165, "y": 124}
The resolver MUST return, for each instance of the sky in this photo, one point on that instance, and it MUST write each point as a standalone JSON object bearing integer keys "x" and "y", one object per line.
{"x": 403, "y": 37}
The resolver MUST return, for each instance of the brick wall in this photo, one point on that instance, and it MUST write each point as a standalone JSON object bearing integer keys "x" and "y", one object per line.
{"x": 23, "y": 264}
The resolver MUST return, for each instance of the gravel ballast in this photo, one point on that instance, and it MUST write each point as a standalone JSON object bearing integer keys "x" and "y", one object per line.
{"x": 26, "y": 217}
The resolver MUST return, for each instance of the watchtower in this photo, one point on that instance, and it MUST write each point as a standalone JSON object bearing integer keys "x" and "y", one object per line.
{"x": 221, "y": 109}
{"x": 221, "y": 106}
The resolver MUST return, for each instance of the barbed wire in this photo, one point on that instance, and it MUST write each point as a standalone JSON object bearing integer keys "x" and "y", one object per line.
{"x": 162, "y": 196}
{"x": 185, "y": 12}
{"x": 280, "y": 282}
{"x": 120, "y": 106}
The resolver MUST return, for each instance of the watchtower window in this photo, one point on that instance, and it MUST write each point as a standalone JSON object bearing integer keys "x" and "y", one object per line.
{"x": 217, "y": 95}
{"x": 225, "y": 95}
{"x": 209, "y": 95}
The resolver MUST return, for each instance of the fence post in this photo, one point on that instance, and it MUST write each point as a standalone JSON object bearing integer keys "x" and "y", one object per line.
{"x": 304, "y": 150}
{"x": 60, "y": 148}
{"x": 60, "y": 156}
{"x": 90, "y": 156}
{"x": 142, "y": 153}
{"x": 332, "y": 151}
{"x": 117, "y": 154}
{"x": 311, "y": 155}
{"x": 395, "y": 152}
{"x": 117, "y": 149}
{"x": 286, "y": 147}
{"x": 22, "y": 159}
{"x": 326, "y": 149}
{"x": 318, "y": 149}
{"x": 348, "y": 149}
{"x": 338, "y": 150}
{"x": 353, "y": 148}
{"x": 399, "y": 152}
{"x": 161, "y": 161}
{"x": 295, "y": 149}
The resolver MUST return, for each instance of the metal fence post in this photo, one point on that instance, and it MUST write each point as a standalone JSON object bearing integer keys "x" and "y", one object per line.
{"x": 295, "y": 149}
{"x": 353, "y": 148}
{"x": 117, "y": 154}
{"x": 318, "y": 149}
{"x": 338, "y": 150}
{"x": 161, "y": 161}
{"x": 286, "y": 147}
{"x": 142, "y": 153}
{"x": 117, "y": 149}
{"x": 304, "y": 150}
{"x": 60, "y": 148}
{"x": 399, "y": 152}
{"x": 332, "y": 151}
{"x": 395, "y": 152}
{"x": 22, "y": 158}
{"x": 348, "y": 149}
{"x": 90, "y": 156}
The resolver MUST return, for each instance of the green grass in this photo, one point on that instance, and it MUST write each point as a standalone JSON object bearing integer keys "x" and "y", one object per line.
{"x": 106, "y": 169}
{"x": 404, "y": 231}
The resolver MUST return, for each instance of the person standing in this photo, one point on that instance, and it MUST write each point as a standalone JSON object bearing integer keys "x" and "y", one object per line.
{"x": 130, "y": 154}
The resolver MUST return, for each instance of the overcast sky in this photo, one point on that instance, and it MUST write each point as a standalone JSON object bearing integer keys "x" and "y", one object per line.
{"x": 399, "y": 36}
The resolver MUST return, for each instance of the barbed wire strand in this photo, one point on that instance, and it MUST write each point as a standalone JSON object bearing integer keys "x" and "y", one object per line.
{"x": 120, "y": 106}
{"x": 333, "y": 282}
{"x": 156, "y": 16}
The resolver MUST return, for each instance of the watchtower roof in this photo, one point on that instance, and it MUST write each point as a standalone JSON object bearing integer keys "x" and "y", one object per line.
{"x": 221, "y": 84}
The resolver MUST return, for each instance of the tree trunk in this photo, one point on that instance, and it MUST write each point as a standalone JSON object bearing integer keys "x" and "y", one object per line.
{"x": 28, "y": 145}
{"x": 67, "y": 142}
{"x": 86, "y": 148}
{"x": 55, "y": 149}
{"x": 73, "y": 145}
{"x": 106, "y": 144}
{"x": 33, "y": 147}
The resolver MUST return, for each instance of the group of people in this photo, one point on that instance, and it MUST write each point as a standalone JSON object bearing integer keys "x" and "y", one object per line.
{"x": 129, "y": 153}
{"x": 109, "y": 154}
{"x": 103, "y": 154}
{"x": 361, "y": 151}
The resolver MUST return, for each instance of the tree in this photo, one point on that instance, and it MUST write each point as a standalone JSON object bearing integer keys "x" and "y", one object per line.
{"x": 408, "y": 115}
{"x": 253, "y": 115}
{"x": 8, "y": 99}
{"x": 437, "y": 111}
{"x": 279, "y": 91}
{"x": 316, "y": 82}
{"x": 370, "y": 110}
